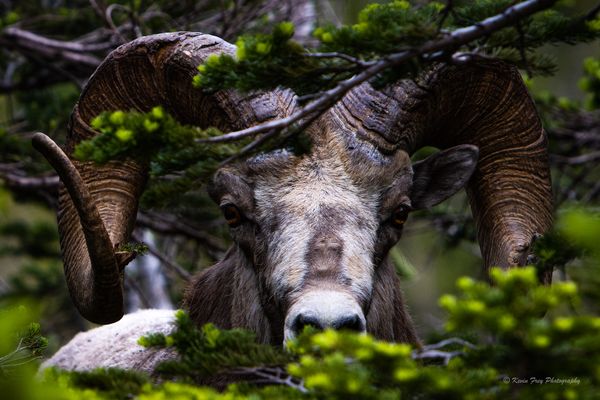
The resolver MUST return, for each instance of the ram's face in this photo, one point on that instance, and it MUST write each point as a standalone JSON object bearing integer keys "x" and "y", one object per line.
{"x": 315, "y": 228}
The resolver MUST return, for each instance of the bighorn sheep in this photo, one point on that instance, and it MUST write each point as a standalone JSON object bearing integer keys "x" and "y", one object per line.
{"x": 311, "y": 232}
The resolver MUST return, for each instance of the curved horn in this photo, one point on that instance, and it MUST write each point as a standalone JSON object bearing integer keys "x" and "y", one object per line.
{"x": 98, "y": 203}
{"x": 484, "y": 103}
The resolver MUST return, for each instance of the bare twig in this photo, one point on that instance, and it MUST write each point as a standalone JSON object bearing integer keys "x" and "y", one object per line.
{"x": 433, "y": 351}
{"x": 131, "y": 282}
{"x": 171, "y": 225}
{"x": 40, "y": 80}
{"x": 44, "y": 187}
{"x": 592, "y": 194}
{"x": 111, "y": 23}
{"x": 309, "y": 96}
{"x": 34, "y": 40}
{"x": 342, "y": 56}
{"x": 592, "y": 13}
{"x": 445, "y": 13}
{"x": 271, "y": 375}
{"x": 172, "y": 265}
{"x": 575, "y": 160}
{"x": 13, "y": 179}
{"x": 17, "y": 357}
{"x": 446, "y": 356}
{"x": 522, "y": 51}
{"x": 269, "y": 135}
{"x": 250, "y": 147}
{"x": 97, "y": 8}
{"x": 448, "y": 342}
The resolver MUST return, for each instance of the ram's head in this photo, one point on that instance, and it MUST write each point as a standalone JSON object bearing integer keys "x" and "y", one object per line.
{"x": 311, "y": 232}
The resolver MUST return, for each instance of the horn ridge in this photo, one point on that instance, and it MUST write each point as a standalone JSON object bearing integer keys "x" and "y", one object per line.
{"x": 485, "y": 103}
{"x": 151, "y": 71}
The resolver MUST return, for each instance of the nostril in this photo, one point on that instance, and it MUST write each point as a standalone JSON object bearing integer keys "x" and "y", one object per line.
{"x": 302, "y": 321}
{"x": 351, "y": 323}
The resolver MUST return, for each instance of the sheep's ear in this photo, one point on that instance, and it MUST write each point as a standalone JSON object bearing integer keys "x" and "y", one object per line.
{"x": 441, "y": 175}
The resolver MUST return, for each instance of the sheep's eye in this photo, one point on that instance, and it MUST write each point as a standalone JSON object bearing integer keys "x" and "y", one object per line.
{"x": 232, "y": 215}
{"x": 399, "y": 215}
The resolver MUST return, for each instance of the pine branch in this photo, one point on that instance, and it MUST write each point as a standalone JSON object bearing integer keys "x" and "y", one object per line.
{"x": 432, "y": 51}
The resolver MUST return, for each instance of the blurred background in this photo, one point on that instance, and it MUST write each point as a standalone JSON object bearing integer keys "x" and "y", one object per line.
{"x": 48, "y": 49}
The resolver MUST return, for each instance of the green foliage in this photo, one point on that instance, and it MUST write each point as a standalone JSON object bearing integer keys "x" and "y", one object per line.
{"x": 33, "y": 238}
{"x": 13, "y": 148}
{"x": 383, "y": 28}
{"x": 580, "y": 229}
{"x": 37, "y": 279}
{"x": 209, "y": 351}
{"x": 5, "y": 202}
{"x": 553, "y": 250}
{"x": 137, "y": 248}
{"x": 262, "y": 61}
{"x": 515, "y": 351}
{"x": 21, "y": 343}
{"x": 9, "y": 18}
{"x": 512, "y": 341}
{"x": 518, "y": 329}
{"x": 268, "y": 61}
{"x": 172, "y": 149}
{"x": 590, "y": 83}
{"x": 170, "y": 391}
{"x": 46, "y": 109}
{"x": 111, "y": 383}
{"x": 179, "y": 161}
{"x": 404, "y": 268}
{"x": 141, "y": 135}
{"x": 32, "y": 246}
{"x": 524, "y": 342}
{"x": 340, "y": 365}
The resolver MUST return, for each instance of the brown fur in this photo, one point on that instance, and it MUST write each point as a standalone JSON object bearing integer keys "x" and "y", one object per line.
{"x": 319, "y": 223}
{"x": 388, "y": 318}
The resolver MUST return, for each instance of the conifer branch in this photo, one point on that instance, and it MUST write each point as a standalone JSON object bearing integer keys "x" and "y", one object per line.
{"x": 432, "y": 51}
